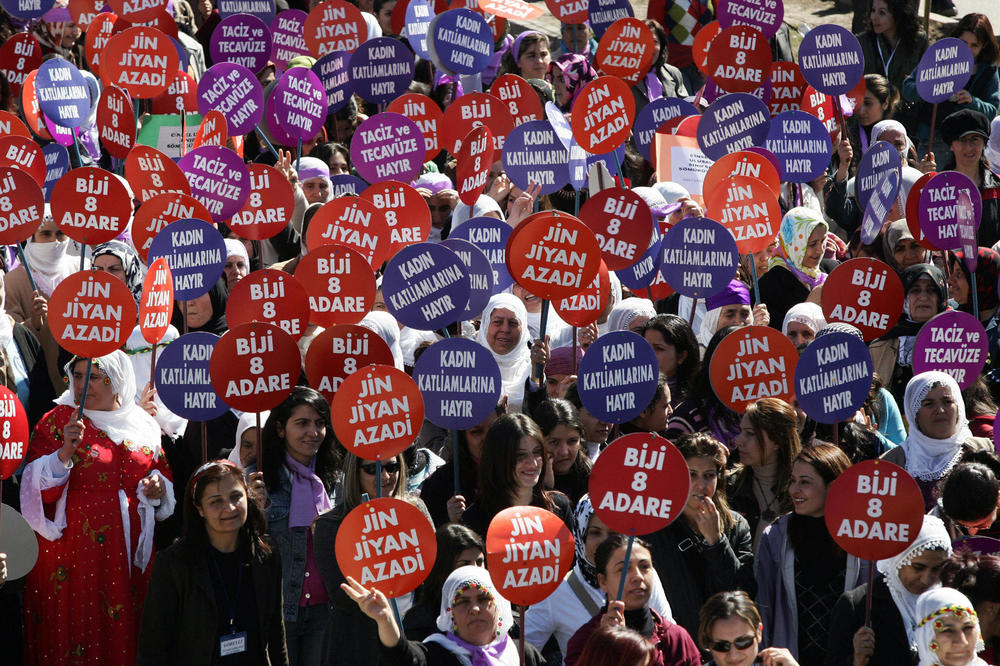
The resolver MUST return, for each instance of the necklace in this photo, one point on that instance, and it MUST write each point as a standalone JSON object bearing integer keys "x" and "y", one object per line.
{"x": 768, "y": 514}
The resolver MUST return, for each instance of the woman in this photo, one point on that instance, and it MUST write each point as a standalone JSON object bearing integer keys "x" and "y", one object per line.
{"x": 656, "y": 416}
{"x": 730, "y": 621}
{"x": 504, "y": 331}
{"x": 206, "y": 313}
{"x": 568, "y": 74}
{"x": 474, "y": 621}
{"x": 237, "y": 262}
{"x": 244, "y": 452}
{"x": 121, "y": 260}
{"x": 948, "y": 630}
{"x": 104, "y": 481}
{"x": 617, "y": 646}
{"x": 877, "y": 104}
{"x": 563, "y": 435}
{"x": 673, "y": 644}
{"x": 900, "y": 249}
{"x": 768, "y": 443}
{"x": 978, "y": 578}
{"x": 801, "y": 571}
{"x": 314, "y": 176}
{"x": 676, "y": 351}
{"x": 801, "y": 324}
{"x": 22, "y": 366}
{"x": 631, "y": 315}
{"x": 794, "y": 270}
{"x": 387, "y": 328}
{"x": 663, "y": 79}
{"x": 987, "y": 275}
{"x": 730, "y": 307}
{"x": 708, "y": 549}
{"x": 595, "y": 431}
{"x": 198, "y": 596}
{"x": 528, "y": 56}
{"x": 893, "y": 43}
{"x": 300, "y": 465}
{"x": 939, "y": 432}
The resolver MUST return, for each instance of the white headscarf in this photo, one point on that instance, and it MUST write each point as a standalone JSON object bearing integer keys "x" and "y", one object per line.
{"x": 615, "y": 287}
{"x": 927, "y": 458}
{"x": 502, "y": 651}
{"x": 623, "y": 313}
{"x": 387, "y": 328}
{"x": 808, "y": 314}
{"x": 932, "y": 605}
{"x": 515, "y": 365}
{"x": 932, "y": 536}
{"x": 464, "y": 212}
{"x": 247, "y": 420}
{"x": 236, "y": 247}
{"x": 50, "y": 263}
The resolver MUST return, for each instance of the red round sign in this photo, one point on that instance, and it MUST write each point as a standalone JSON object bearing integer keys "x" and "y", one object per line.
{"x": 339, "y": 351}
{"x": 13, "y": 432}
{"x": 642, "y": 484}
{"x": 98, "y": 35}
{"x": 137, "y": 12}
{"x": 568, "y": 11}
{"x": 388, "y": 544}
{"x": 11, "y": 124}
{"x": 141, "y": 60}
{"x": 22, "y": 153}
{"x": 865, "y": 293}
{"x": 742, "y": 163}
{"x": 603, "y": 115}
{"x": 157, "y": 302}
{"x": 874, "y": 510}
{"x": 751, "y": 363}
{"x": 585, "y": 308}
{"x": 913, "y": 210}
{"x": 84, "y": 11}
{"x": 521, "y": 99}
{"x": 340, "y": 285}
{"x": 21, "y": 206}
{"x": 354, "y": 222}
{"x": 377, "y": 412}
{"x": 749, "y": 209}
{"x": 180, "y": 95}
{"x": 91, "y": 313}
{"x": 20, "y": 54}
{"x": 162, "y": 21}
{"x": 29, "y": 106}
{"x": 255, "y": 366}
{"x": 150, "y": 172}
{"x": 469, "y": 112}
{"x": 626, "y": 50}
{"x": 474, "y": 158}
{"x": 428, "y": 116}
{"x": 269, "y": 207}
{"x": 820, "y": 105}
{"x": 272, "y": 296}
{"x": 787, "y": 86}
{"x": 90, "y": 205}
{"x": 160, "y": 211}
{"x": 213, "y": 130}
{"x": 702, "y": 44}
{"x": 116, "y": 122}
{"x": 740, "y": 59}
{"x": 553, "y": 256}
{"x": 622, "y": 223}
{"x": 528, "y": 551}
{"x": 406, "y": 212}
{"x": 334, "y": 25}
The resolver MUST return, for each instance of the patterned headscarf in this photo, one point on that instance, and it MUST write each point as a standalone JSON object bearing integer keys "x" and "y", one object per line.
{"x": 891, "y": 235}
{"x": 796, "y": 228}
{"x": 501, "y": 651}
{"x": 987, "y": 274}
{"x": 584, "y": 510}
{"x": 931, "y": 606}
{"x": 135, "y": 272}
{"x": 576, "y": 70}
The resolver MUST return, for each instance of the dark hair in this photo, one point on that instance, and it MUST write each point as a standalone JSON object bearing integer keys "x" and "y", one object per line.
{"x": 971, "y": 492}
{"x": 829, "y": 462}
{"x": 662, "y": 386}
{"x": 777, "y": 419}
{"x": 452, "y": 539}
{"x": 979, "y": 25}
{"x": 607, "y": 548}
{"x": 661, "y": 37}
{"x": 975, "y": 576}
{"x": 904, "y": 15}
{"x": 702, "y": 445}
{"x": 723, "y": 606}
{"x": 616, "y": 646}
{"x": 351, "y": 491}
{"x": 328, "y": 458}
{"x": 326, "y": 151}
{"x": 195, "y": 534}
{"x": 556, "y": 412}
{"x": 497, "y": 483}
{"x": 676, "y": 331}
{"x": 882, "y": 90}
{"x": 978, "y": 399}
{"x": 701, "y": 382}
{"x": 508, "y": 64}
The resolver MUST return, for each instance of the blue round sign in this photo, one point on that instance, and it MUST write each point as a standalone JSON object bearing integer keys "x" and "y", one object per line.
{"x": 480, "y": 272}
{"x": 460, "y": 382}
{"x": 833, "y": 377}
{"x": 195, "y": 253}
{"x": 879, "y": 203}
{"x": 490, "y": 235}
{"x": 577, "y": 166}
{"x": 425, "y": 286}
{"x": 602, "y": 13}
{"x": 880, "y": 158}
{"x": 344, "y": 184}
{"x": 642, "y": 273}
{"x": 182, "y": 379}
{"x": 381, "y": 69}
{"x": 333, "y": 71}
{"x": 831, "y": 60}
{"x": 617, "y": 377}
{"x": 944, "y": 69}
{"x": 533, "y": 153}
{"x": 699, "y": 257}
{"x": 733, "y": 122}
{"x": 655, "y": 114}
{"x": 56, "y": 164}
{"x": 802, "y": 145}
{"x": 460, "y": 41}
{"x": 63, "y": 94}
{"x": 419, "y": 14}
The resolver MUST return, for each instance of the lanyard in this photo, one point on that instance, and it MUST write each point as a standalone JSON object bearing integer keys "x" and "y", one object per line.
{"x": 236, "y": 597}
{"x": 885, "y": 63}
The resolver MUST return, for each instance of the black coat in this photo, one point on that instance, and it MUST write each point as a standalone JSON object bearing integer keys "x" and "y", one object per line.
{"x": 891, "y": 644}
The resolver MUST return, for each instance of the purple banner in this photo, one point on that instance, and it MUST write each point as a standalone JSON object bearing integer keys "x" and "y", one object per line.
{"x": 879, "y": 203}
{"x": 297, "y": 107}
{"x": 262, "y": 9}
{"x": 419, "y": 14}
{"x": 880, "y": 158}
{"x": 56, "y": 164}
{"x": 460, "y": 382}
{"x": 642, "y": 273}
{"x": 288, "y": 31}
{"x": 63, "y": 94}
{"x": 388, "y": 146}
{"x": 602, "y": 13}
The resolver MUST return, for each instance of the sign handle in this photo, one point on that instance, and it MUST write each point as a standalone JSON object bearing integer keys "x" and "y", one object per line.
{"x": 930, "y": 137}
{"x": 454, "y": 462}
{"x": 86, "y": 385}
{"x": 83, "y": 255}
{"x": 576, "y": 203}
{"x": 378, "y": 483}
{"x": 628, "y": 554}
{"x": 927, "y": 27}
{"x": 520, "y": 641}
{"x": 836, "y": 433}
{"x": 871, "y": 582}
{"x": 152, "y": 366}
{"x": 298, "y": 155}
{"x": 975, "y": 296}
{"x": 27, "y": 269}
{"x": 76, "y": 149}
{"x": 204, "y": 441}
{"x": 756, "y": 287}
{"x": 694, "y": 306}
{"x": 270, "y": 147}
{"x": 540, "y": 367}
{"x": 395, "y": 612}
{"x": 575, "y": 331}
{"x": 260, "y": 447}
{"x": 445, "y": 333}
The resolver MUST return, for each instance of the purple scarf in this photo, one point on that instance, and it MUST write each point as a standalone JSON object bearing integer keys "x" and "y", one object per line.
{"x": 309, "y": 498}
{"x": 484, "y": 655}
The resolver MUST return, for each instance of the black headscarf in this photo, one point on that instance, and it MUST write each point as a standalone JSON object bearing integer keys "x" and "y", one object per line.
{"x": 219, "y": 296}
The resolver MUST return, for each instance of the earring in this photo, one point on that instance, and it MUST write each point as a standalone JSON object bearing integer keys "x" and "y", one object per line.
{"x": 65, "y": 379}
{"x": 107, "y": 381}
{"x": 933, "y": 646}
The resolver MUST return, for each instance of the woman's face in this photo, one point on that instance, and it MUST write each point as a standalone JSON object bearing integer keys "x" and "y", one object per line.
{"x": 656, "y": 417}
{"x": 704, "y": 480}
{"x": 923, "y": 572}
{"x": 871, "y": 110}
{"x": 534, "y": 60}
{"x": 48, "y": 232}
{"x": 638, "y": 579}
{"x": 807, "y": 490}
{"x": 223, "y": 505}
{"x": 316, "y": 190}
{"x": 390, "y": 477}
{"x": 100, "y": 394}
{"x": 908, "y": 252}
{"x": 470, "y": 557}
{"x": 594, "y": 429}
{"x": 597, "y": 532}
{"x": 968, "y": 151}
{"x": 734, "y": 315}
{"x": 303, "y": 433}
{"x": 956, "y": 637}
{"x": 476, "y": 616}
{"x": 504, "y": 331}
{"x": 731, "y": 633}
{"x": 666, "y": 353}
{"x": 198, "y": 312}
{"x": 762, "y": 258}
{"x": 109, "y": 263}
{"x": 563, "y": 444}
{"x": 560, "y": 88}
{"x": 338, "y": 163}
{"x": 385, "y": 18}
{"x": 575, "y": 36}
{"x": 754, "y": 451}
{"x": 248, "y": 447}
{"x": 529, "y": 463}
{"x": 924, "y": 300}
{"x": 937, "y": 416}
{"x": 882, "y": 21}
{"x": 531, "y": 302}
{"x": 814, "y": 248}
{"x": 972, "y": 42}
{"x": 800, "y": 334}
{"x": 476, "y": 436}
{"x": 958, "y": 286}
{"x": 236, "y": 270}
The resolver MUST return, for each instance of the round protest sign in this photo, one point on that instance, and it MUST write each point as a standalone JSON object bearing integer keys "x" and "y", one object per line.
{"x": 639, "y": 484}
{"x": 702, "y": 44}
{"x": 533, "y": 153}
{"x": 585, "y": 307}
{"x": 296, "y": 108}
{"x": 271, "y": 296}
{"x": 787, "y": 86}
{"x": 149, "y": 172}
{"x": 470, "y": 111}
{"x": 334, "y": 25}
{"x": 33, "y": 115}
{"x": 378, "y": 412}
{"x": 801, "y": 144}
{"x": 21, "y": 206}
{"x": 874, "y": 510}
{"x": 160, "y": 211}
{"x": 553, "y": 256}
{"x": 346, "y": 185}
{"x": 748, "y": 209}
{"x": 953, "y": 342}
{"x": 137, "y": 11}
{"x": 333, "y": 71}
{"x": 742, "y": 163}
{"x": 213, "y": 130}
{"x": 20, "y": 54}
{"x": 601, "y": 14}
{"x": 880, "y": 158}
{"x": 388, "y": 146}
{"x": 406, "y": 212}
{"x": 425, "y": 286}
{"x": 626, "y": 50}
{"x": 156, "y": 306}
{"x": 417, "y": 17}
{"x": 765, "y": 15}
{"x": 521, "y": 99}
{"x": 19, "y": 541}
{"x": 242, "y": 39}
{"x": 269, "y": 206}
{"x": 879, "y": 205}
{"x": 91, "y": 313}
{"x": 751, "y": 363}
{"x": 830, "y": 59}
{"x": 353, "y": 222}
{"x": 980, "y": 545}
{"x": 381, "y": 69}
{"x": 180, "y": 95}
{"x": 653, "y": 115}
{"x": 99, "y": 32}
{"x": 912, "y": 209}
{"x": 833, "y": 377}
{"x": 83, "y": 12}
{"x": 235, "y": 91}
{"x": 617, "y": 376}
{"x": 255, "y": 366}
{"x": 288, "y": 36}
{"x": 13, "y": 432}
{"x": 605, "y": 115}
{"x": 141, "y": 60}
{"x": 12, "y": 125}
{"x": 116, "y": 122}
{"x": 865, "y": 293}
{"x": 22, "y": 153}
{"x": 733, "y": 122}
{"x": 57, "y": 164}
{"x": 573, "y": 12}
{"x": 340, "y": 285}
{"x": 820, "y": 105}
{"x": 621, "y": 222}
{"x": 262, "y": 9}
{"x": 27, "y": 9}
{"x": 195, "y": 253}
{"x": 490, "y": 235}
{"x": 740, "y": 59}
{"x": 90, "y": 205}
{"x": 510, "y": 9}
{"x": 474, "y": 160}
{"x": 387, "y": 544}
{"x": 460, "y": 382}
{"x": 699, "y": 257}
{"x": 529, "y": 551}
{"x": 480, "y": 273}
{"x": 939, "y": 214}
{"x": 218, "y": 178}
{"x": 643, "y": 272}
{"x": 426, "y": 114}
{"x": 339, "y": 351}
{"x": 944, "y": 69}
{"x": 460, "y": 42}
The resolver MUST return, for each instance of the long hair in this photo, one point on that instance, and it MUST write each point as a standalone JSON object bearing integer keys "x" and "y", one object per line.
{"x": 980, "y": 26}
{"x": 882, "y": 90}
{"x": 701, "y": 445}
{"x": 676, "y": 332}
{"x": 975, "y": 576}
{"x": 904, "y": 14}
{"x": 701, "y": 382}
{"x": 497, "y": 482}
{"x": 555, "y": 412}
{"x": 195, "y": 534}
{"x": 829, "y": 462}
{"x": 352, "y": 480}
{"x": 452, "y": 540}
{"x": 776, "y": 419}
{"x": 723, "y": 606}
{"x": 616, "y": 646}
{"x": 327, "y": 458}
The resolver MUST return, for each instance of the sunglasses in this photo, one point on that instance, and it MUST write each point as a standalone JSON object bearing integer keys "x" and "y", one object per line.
{"x": 741, "y": 643}
{"x": 388, "y": 467}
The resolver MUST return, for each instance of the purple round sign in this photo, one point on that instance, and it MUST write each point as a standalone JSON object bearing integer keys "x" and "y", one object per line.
{"x": 235, "y": 92}
{"x": 880, "y": 158}
{"x": 219, "y": 179}
{"x": 577, "y": 166}
{"x": 833, "y": 377}
{"x": 182, "y": 379}
{"x": 611, "y": 159}
{"x": 981, "y": 545}
{"x": 63, "y": 94}
{"x": 879, "y": 204}
{"x": 655, "y": 114}
{"x": 602, "y": 13}
{"x": 333, "y": 72}
{"x": 262, "y": 9}
{"x": 195, "y": 253}
{"x": 617, "y": 376}
{"x": 346, "y": 185}
{"x": 480, "y": 272}
{"x": 388, "y": 146}
{"x": 767, "y": 154}
{"x": 732, "y": 123}
{"x": 296, "y": 109}
{"x": 953, "y": 342}
{"x": 460, "y": 42}
{"x": 533, "y": 153}
{"x": 288, "y": 39}
{"x": 642, "y": 273}
{"x": 425, "y": 286}
{"x": 765, "y": 15}
{"x": 381, "y": 69}
{"x": 419, "y": 14}
{"x": 699, "y": 257}
{"x": 939, "y": 214}
{"x": 490, "y": 235}
{"x": 944, "y": 69}
{"x": 56, "y": 164}
{"x": 802, "y": 145}
{"x": 27, "y": 9}
{"x": 831, "y": 59}
{"x": 242, "y": 39}
{"x": 460, "y": 382}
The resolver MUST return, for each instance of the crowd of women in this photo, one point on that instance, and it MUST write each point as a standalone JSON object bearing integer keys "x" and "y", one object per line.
{"x": 150, "y": 553}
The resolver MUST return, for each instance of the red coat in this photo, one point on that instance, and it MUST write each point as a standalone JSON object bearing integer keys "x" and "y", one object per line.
{"x": 674, "y": 646}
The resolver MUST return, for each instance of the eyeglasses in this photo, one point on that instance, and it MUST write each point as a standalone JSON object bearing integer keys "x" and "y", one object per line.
{"x": 388, "y": 467}
{"x": 741, "y": 643}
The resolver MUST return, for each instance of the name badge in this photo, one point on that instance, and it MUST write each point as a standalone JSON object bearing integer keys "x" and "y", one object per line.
{"x": 233, "y": 644}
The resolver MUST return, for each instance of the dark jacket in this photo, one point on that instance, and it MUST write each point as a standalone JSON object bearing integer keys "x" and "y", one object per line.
{"x": 781, "y": 290}
{"x": 674, "y": 646}
{"x": 891, "y": 644}
{"x": 180, "y": 616}
{"x": 412, "y": 653}
{"x": 41, "y": 392}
